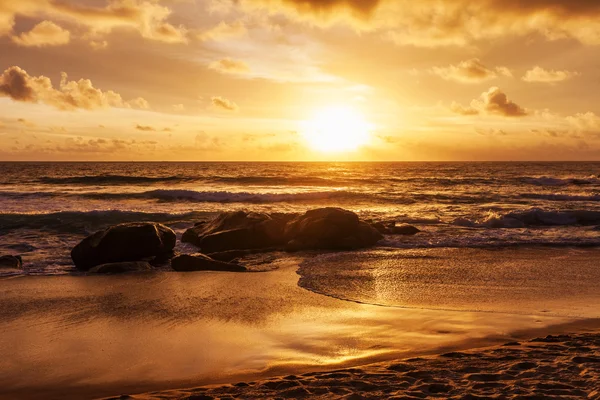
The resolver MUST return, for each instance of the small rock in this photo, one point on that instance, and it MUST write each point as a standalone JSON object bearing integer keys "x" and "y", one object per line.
{"x": 404, "y": 229}
{"x": 11, "y": 262}
{"x": 202, "y": 262}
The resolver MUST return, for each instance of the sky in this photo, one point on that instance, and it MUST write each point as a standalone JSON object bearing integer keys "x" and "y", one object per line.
{"x": 299, "y": 80}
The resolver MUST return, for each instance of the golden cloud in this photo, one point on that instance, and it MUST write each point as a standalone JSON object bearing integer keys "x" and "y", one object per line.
{"x": 492, "y": 102}
{"x": 470, "y": 71}
{"x": 541, "y": 75}
{"x": 229, "y": 66}
{"x": 224, "y": 104}
{"x": 18, "y": 85}
{"x": 224, "y": 31}
{"x": 46, "y": 33}
{"x": 449, "y": 22}
{"x": 149, "y": 18}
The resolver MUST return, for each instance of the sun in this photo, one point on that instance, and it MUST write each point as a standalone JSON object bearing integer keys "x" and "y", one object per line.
{"x": 337, "y": 129}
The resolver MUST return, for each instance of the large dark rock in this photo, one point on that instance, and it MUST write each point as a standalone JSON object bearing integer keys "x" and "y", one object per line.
{"x": 120, "y": 267}
{"x": 11, "y": 262}
{"x": 237, "y": 231}
{"x": 124, "y": 242}
{"x": 329, "y": 228}
{"x": 201, "y": 262}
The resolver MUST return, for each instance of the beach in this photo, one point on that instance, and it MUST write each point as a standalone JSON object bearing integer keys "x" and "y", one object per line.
{"x": 99, "y": 336}
{"x": 426, "y": 259}
{"x": 562, "y": 367}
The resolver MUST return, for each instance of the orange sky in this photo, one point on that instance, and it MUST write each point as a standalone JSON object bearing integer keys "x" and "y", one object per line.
{"x": 241, "y": 79}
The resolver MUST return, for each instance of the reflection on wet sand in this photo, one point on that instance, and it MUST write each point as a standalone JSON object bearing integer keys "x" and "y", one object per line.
{"x": 84, "y": 337}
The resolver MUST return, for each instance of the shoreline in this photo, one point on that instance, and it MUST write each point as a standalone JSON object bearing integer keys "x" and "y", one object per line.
{"x": 135, "y": 333}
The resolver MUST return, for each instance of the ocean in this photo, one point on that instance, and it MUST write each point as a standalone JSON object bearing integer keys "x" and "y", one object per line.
{"x": 48, "y": 207}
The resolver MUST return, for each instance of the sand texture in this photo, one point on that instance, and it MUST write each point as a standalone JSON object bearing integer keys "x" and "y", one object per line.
{"x": 552, "y": 367}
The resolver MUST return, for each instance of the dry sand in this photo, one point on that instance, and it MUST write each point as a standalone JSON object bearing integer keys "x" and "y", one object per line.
{"x": 552, "y": 367}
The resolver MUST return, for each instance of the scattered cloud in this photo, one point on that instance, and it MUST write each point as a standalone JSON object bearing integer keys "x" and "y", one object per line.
{"x": 492, "y": 102}
{"x": 470, "y": 71}
{"x": 585, "y": 121}
{"x": 46, "y": 33}
{"x": 18, "y": 85}
{"x": 148, "y": 18}
{"x": 229, "y": 66}
{"x": 224, "y": 31}
{"x": 145, "y": 128}
{"x": 541, "y": 75}
{"x": 224, "y": 104}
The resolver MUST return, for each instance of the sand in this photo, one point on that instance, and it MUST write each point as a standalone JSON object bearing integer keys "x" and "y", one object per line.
{"x": 90, "y": 337}
{"x": 551, "y": 367}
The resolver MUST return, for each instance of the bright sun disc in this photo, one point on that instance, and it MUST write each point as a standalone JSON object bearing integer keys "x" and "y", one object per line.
{"x": 337, "y": 129}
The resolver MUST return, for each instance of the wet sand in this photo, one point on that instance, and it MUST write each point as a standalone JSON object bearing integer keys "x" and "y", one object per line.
{"x": 551, "y": 367}
{"x": 95, "y": 336}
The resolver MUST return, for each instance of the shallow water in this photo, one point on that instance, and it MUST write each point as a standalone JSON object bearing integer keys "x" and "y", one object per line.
{"x": 48, "y": 207}
{"x": 70, "y": 337}
{"x": 533, "y": 281}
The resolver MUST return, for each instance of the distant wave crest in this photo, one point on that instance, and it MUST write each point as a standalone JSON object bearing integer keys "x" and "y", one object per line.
{"x": 107, "y": 179}
{"x": 533, "y": 217}
{"x": 552, "y": 181}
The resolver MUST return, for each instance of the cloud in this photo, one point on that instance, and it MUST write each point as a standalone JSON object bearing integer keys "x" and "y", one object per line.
{"x": 224, "y": 31}
{"x": 224, "y": 104}
{"x": 541, "y": 75}
{"x": 145, "y": 128}
{"x": 585, "y": 121}
{"x": 459, "y": 109}
{"x": 229, "y": 66}
{"x": 46, "y": 33}
{"x": 148, "y": 18}
{"x": 449, "y": 22}
{"x": 492, "y": 102}
{"x": 18, "y": 85}
{"x": 469, "y": 71}
{"x": 139, "y": 102}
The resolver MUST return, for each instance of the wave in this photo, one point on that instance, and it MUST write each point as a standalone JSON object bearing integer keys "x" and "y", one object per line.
{"x": 108, "y": 179}
{"x": 83, "y": 221}
{"x": 533, "y": 217}
{"x": 277, "y": 180}
{"x": 245, "y": 197}
{"x": 560, "y": 197}
{"x": 552, "y": 181}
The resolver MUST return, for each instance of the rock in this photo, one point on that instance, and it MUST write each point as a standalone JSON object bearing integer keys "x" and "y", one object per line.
{"x": 230, "y": 255}
{"x": 404, "y": 229}
{"x": 11, "y": 262}
{"x": 201, "y": 262}
{"x": 237, "y": 231}
{"x": 381, "y": 227}
{"x": 124, "y": 242}
{"x": 120, "y": 267}
{"x": 329, "y": 228}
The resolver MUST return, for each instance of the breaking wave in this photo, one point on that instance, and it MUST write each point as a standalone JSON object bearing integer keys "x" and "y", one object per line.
{"x": 533, "y": 217}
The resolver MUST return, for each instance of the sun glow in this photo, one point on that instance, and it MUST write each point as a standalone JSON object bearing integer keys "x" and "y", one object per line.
{"x": 337, "y": 129}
